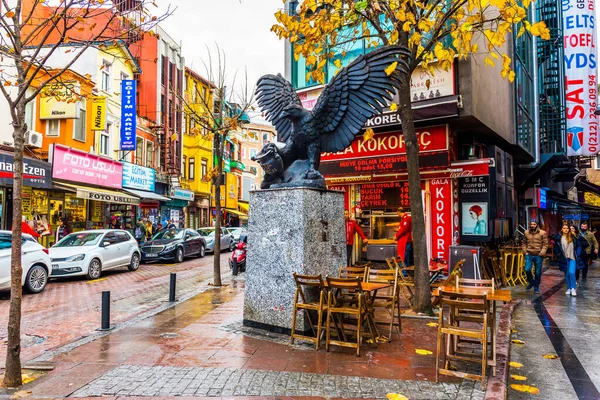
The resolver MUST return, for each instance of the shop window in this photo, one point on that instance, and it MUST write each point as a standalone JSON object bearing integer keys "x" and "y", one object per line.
{"x": 123, "y": 76}
{"x": 53, "y": 128}
{"x": 105, "y": 75}
{"x": 192, "y": 169}
{"x": 79, "y": 126}
{"x": 149, "y": 154}
{"x": 139, "y": 151}
{"x": 29, "y": 107}
{"x": 253, "y": 153}
{"x": 265, "y": 138}
{"x": 204, "y": 167}
{"x": 105, "y": 140}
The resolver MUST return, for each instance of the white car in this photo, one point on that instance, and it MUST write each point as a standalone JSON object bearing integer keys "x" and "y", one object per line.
{"x": 91, "y": 252}
{"x": 34, "y": 258}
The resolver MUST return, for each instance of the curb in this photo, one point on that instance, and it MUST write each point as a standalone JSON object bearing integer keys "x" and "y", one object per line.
{"x": 496, "y": 388}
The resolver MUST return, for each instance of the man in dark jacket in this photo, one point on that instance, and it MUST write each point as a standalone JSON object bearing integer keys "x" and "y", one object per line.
{"x": 351, "y": 228}
{"x": 592, "y": 248}
{"x": 535, "y": 244}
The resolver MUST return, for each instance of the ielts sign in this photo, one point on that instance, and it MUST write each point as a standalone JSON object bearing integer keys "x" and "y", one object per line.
{"x": 441, "y": 217}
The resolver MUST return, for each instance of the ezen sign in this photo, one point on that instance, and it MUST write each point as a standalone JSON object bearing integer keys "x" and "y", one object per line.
{"x": 441, "y": 217}
{"x": 581, "y": 80}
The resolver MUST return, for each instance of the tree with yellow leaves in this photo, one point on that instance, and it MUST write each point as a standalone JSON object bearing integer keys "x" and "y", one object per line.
{"x": 31, "y": 32}
{"x": 435, "y": 32}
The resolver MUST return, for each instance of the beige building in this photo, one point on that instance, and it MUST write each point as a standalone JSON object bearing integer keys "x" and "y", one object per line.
{"x": 255, "y": 136}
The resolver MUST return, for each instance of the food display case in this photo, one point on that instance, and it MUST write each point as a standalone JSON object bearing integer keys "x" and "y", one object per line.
{"x": 383, "y": 227}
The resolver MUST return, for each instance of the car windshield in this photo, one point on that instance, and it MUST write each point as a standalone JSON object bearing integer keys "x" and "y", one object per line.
{"x": 80, "y": 239}
{"x": 206, "y": 232}
{"x": 169, "y": 234}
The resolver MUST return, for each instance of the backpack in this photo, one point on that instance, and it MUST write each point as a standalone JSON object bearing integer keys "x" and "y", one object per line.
{"x": 138, "y": 232}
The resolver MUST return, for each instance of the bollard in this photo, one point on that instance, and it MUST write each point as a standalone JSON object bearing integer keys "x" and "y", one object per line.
{"x": 172, "y": 287}
{"x": 105, "y": 311}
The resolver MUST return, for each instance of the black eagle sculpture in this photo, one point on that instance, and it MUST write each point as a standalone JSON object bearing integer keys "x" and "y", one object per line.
{"x": 355, "y": 94}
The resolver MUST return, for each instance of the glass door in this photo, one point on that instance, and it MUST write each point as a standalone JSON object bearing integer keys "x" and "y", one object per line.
{"x": 57, "y": 209}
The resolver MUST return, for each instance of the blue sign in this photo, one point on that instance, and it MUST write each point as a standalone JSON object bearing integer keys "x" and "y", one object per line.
{"x": 542, "y": 202}
{"x": 138, "y": 177}
{"x": 182, "y": 194}
{"x": 128, "y": 114}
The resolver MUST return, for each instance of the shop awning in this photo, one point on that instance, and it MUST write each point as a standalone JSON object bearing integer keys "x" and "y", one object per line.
{"x": 243, "y": 207}
{"x": 94, "y": 193}
{"x": 584, "y": 185}
{"x": 144, "y": 195}
{"x": 236, "y": 212}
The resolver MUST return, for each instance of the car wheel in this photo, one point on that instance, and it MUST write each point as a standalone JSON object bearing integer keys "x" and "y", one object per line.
{"x": 36, "y": 280}
{"x": 202, "y": 252}
{"x": 179, "y": 255}
{"x": 134, "y": 265}
{"x": 94, "y": 269}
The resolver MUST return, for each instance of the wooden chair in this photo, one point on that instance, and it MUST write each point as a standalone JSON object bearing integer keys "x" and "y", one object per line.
{"x": 354, "y": 272}
{"x": 338, "y": 306}
{"x": 405, "y": 283}
{"x": 304, "y": 283}
{"x": 390, "y": 302}
{"x": 449, "y": 281}
{"x": 449, "y": 330}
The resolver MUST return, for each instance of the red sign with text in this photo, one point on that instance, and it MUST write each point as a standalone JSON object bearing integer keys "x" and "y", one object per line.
{"x": 441, "y": 217}
{"x": 392, "y": 144}
{"x": 344, "y": 189}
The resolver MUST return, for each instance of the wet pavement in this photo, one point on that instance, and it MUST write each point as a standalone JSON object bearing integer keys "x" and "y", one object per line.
{"x": 69, "y": 309}
{"x": 555, "y": 324}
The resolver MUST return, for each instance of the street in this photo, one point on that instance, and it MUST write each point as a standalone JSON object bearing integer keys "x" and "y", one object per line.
{"x": 69, "y": 309}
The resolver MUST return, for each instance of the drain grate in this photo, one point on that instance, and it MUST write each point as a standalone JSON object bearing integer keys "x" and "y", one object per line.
{"x": 169, "y": 335}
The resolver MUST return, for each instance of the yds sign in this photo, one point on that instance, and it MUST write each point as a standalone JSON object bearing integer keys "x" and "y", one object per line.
{"x": 581, "y": 81}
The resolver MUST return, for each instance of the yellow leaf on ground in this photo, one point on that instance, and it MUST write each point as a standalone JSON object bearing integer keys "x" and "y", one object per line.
{"x": 517, "y": 341}
{"x": 395, "y": 396}
{"x": 423, "y": 352}
{"x": 368, "y": 134}
{"x": 391, "y": 68}
{"x": 519, "y": 377}
{"x": 551, "y": 356}
{"x": 20, "y": 394}
{"x": 525, "y": 388}
{"x": 393, "y": 107}
{"x": 432, "y": 324}
{"x": 515, "y": 364}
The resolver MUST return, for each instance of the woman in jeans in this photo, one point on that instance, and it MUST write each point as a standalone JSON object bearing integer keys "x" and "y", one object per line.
{"x": 567, "y": 244}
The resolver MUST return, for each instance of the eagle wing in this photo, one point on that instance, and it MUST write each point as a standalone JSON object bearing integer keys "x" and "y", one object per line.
{"x": 274, "y": 93}
{"x": 355, "y": 94}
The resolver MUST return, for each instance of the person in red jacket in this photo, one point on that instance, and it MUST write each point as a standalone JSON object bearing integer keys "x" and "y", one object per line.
{"x": 25, "y": 228}
{"x": 404, "y": 237}
{"x": 351, "y": 227}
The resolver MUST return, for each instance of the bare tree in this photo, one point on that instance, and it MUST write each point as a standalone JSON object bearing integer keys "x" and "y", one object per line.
{"x": 221, "y": 112}
{"x": 31, "y": 32}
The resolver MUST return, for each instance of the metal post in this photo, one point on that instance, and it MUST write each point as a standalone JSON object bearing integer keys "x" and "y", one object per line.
{"x": 105, "y": 311}
{"x": 172, "y": 287}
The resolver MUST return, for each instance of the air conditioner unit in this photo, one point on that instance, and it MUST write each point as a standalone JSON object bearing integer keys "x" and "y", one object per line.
{"x": 33, "y": 139}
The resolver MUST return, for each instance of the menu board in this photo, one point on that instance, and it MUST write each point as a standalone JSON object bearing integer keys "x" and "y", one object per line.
{"x": 384, "y": 195}
{"x": 387, "y": 164}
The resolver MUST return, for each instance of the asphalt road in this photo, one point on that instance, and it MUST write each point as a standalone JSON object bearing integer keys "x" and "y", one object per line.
{"x": 70, "y": 309}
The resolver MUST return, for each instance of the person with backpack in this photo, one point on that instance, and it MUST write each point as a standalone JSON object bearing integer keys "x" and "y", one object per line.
{"x": 140, "y": 231}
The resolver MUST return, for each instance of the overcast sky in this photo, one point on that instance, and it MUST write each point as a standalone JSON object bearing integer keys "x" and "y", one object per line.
{"x": 242, "y": 28}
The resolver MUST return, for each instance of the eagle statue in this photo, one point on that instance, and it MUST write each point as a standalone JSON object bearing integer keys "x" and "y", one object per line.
{"x": 358, "y": 91}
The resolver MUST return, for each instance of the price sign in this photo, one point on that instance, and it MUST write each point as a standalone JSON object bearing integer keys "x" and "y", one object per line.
{"x": 384, "y": 195}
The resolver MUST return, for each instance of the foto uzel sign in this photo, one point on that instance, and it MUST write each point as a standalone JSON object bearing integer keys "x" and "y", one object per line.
{"x": 581, "y": 82}
{"x": 128, "y": 114}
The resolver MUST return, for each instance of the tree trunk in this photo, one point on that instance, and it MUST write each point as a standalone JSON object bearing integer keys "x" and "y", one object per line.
{"x": 422, "y": 300}
{"x": 12, "y": 376}
{"x": 217, "y": 249}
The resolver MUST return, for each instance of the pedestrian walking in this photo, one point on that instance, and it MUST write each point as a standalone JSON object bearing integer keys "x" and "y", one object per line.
{"x": 149, "y": 230}
{"x": 351, "y": 228}
{"x": 171, "y": 225}
{"x": 404, "y": 237}
{"x": 535, "y": 244}
{"x": 63, "y": 229}
{"x": 591, "y": 250}
{"x": 569, "y": 248}
{"x": 140, "y": 231}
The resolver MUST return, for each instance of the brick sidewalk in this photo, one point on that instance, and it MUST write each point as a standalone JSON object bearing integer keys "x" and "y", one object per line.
{"x": 199, "y": 348}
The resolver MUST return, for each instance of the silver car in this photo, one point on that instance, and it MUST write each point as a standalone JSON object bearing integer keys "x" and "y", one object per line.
{"x": 227, "y": 241}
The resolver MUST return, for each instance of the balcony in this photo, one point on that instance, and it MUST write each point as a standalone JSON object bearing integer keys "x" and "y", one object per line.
{"x": 237, "y": 165}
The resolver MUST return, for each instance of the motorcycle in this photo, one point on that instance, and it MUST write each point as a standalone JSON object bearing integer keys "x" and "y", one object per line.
{"x": 237, "y": 262}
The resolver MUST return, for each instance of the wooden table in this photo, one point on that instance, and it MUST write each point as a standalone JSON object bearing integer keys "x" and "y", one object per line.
{"x": 493, "y": 295}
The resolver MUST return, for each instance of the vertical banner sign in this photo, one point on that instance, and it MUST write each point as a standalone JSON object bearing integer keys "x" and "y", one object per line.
{"x": 581, "y": 81}
{"x": 128, "y": 114}
{"x": 99, "y": 110}
{"x": 441, "y": 217}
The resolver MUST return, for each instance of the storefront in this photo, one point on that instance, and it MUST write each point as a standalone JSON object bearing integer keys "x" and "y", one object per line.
{"x": 373, "y": 176}
{"x": 197, "y": 215}
{"x": 174, "y": 210}
{"x": 36, "y": 182}
{"x": 141, "y": 182}
{"x": 87, "y": 191}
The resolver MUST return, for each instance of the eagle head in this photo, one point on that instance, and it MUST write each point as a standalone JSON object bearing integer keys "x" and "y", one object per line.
{"x": 293, "y": 112}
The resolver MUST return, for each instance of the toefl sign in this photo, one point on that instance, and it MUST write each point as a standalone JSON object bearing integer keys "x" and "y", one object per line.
{"x": 581, "y": 80}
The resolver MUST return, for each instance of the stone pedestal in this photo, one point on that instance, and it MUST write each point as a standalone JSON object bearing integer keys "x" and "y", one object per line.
{"x": 290, "y": 230}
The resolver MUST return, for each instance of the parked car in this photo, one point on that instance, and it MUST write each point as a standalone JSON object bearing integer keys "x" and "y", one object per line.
{"x": 34, "y": 258}
{"x": 227, "y": 241}
{"x": 174, "y": 244}
{"x": 91, "y": 252}
{"x": 236, "y": 232}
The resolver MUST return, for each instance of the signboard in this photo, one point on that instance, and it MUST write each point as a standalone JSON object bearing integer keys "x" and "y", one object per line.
{"x": 384, "y": 195}
{"x": 387, "y": 164}
{"x": 138, "y": 177}
{"x": 441, "y": 217}
{"x": 542, "y": 198}
{"x": 99, "y": 113}
{"x": 581, "y": 76}
{"x": 474, "y": 195}
{"x": 462, "y": 169}
{"x": 392, "y": 143}
{"x": 35, "y": 173}
{"x": 346, "y": 190}
{"x": 309, "y": 98}
{"x": 128, "y": 114}
{"x": 59, "y": 101}
{"x": 78, "y": 166}
{"x": 107, "y": 197}
{"x": 182, "y": 194}
{"x": 424, "y": 86}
